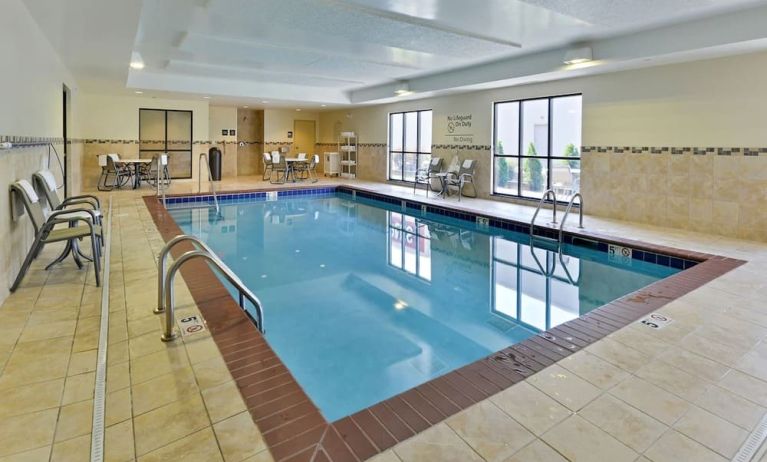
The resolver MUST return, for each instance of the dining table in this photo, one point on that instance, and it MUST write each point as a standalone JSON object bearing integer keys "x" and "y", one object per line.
{"x": 135, "y": 166}
{"x": 290, "y": 163}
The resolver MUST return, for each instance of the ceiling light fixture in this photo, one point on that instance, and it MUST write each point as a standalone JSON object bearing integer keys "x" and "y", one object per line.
{"x": 245, "y": 107}
{"x": 265, "y": 102}
{"x": 578, "y": 55}
{"x": 206, "y": 97}
{"x": 298, "y": 109}
{"x": 323, "y": 105}
{"x": 139, "y": 92}
{"x": 402, "y": 89}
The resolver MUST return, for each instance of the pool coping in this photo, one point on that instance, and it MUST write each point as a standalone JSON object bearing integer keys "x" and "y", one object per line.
{"x": 293, "y": 427}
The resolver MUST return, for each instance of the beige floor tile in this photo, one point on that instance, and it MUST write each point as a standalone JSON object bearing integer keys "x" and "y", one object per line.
{"x": 731, "y": 407}
{"x": 82, "y": 362}
{"x": 223, "y": 401}
{"x": 675, "y": 447}
{"x": 537, "y": 451}
{"x": 437, "y": 443}
{"x": 211, "y": 373}
{"x": 87, "y": 334}
{"x": 48, "y": 330}
{"x": 27, "y": 431}
{"x": 594, "y": 369}
{"x": 197, "y": 447}
{"x": 149, "y": 395}
{"x": 169, "y": 423}
{"x": 387, "y": 456}
{"x": 78, "y": 388}
{"x": 118, "y": 352}
{"x": 531, "y": 407}
{"x": 754, "y": 362}
{"x": 577, "y": 439}
{"x": 746, "y": 386}
{"x": 118, "y": 406}
{"x": 625, "y": 423}
{"x": 492, "y": 433}
{"x": 711, "y": 431}
{"x": 158, "y": 363}
{"x": 74, "y": 420}
{"x": 118, "y": 376}
{"x": 36, "y": 362}
{"x": 31, "y": 398}
{"x": 617, "y": 354}
{"x": 74, "y": 450}
{"x": 650, "y": 399}
{"x": 673, "y": 380}
{"x": 564, "y": 386}
{"x": 727, "y": 354}
{"x": 640, "y": 341}
{"x": 34, "y": 455}
{"x": 695, "y": 364}
{"x": 239, "y": 437}
{"x": 118, "y": 442}
{"x": 201, "y": 348}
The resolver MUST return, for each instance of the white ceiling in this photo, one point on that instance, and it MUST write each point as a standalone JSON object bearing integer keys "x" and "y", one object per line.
{"x": 335, "y": 52}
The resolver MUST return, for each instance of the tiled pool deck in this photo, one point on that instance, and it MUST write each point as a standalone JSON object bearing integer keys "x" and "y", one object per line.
{"x": 691, "y": 391}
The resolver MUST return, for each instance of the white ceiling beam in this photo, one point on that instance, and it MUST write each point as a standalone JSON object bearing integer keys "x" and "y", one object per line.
{"x": 421, "y": 22}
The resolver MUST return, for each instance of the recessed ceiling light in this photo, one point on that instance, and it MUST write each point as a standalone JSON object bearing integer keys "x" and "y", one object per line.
{"x": 138, "y": 92}
{"x": 323, "y": 105}
{"x": 137, "y": 65}
{"x": 578, "y": 55}
{"x": 245, "y": 107}
{"x": 402, "y": 89}
{"x": 265, "y": 102}
{"x": 206, "y": 97}
{"x": 298, "y": 109}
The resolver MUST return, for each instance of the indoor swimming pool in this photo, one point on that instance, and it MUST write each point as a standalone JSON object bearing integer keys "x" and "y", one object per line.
{"x": 364, "y": 300}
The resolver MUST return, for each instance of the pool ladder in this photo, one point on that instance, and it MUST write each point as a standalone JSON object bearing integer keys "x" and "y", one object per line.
{"x": 165, "y": 290}
{"x": 200, "y": 163}
{"x": 560, "y": 236}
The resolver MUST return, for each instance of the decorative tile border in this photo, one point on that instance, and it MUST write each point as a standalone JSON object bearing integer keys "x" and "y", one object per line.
{"x": 697, "y": 151}
{"x": 293, "y": 427}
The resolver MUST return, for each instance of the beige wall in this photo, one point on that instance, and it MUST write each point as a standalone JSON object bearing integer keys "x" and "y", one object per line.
{"x": 278, "y": 122}
{"x": 706, "y": 104}
{"x": 31, "y": 94}
{"x": 250, "y": 137}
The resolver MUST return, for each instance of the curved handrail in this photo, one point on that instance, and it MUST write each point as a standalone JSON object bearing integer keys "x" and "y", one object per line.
{"x": 544, "y": 272}
{"x": 163, "y": 257}
{"x": 567, "y": 271}
{"x": 210, "y": 178}
{"x": 168, "y": 333}
{"x": 567, "y": 212}
{"x": 547, "y": 193}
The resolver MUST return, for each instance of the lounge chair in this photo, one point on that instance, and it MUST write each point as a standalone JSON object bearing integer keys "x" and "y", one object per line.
{"x": 110, "y": 165}
{"x": 465, "y": 176}
{"x": 45, "y": 182}
{"x": 425, "y": 175}
{"x": 46, "y": 231}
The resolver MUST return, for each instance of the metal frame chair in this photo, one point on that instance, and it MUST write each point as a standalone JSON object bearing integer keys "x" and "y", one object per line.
{"x": 266, "y": 158}
{"x": 46, "y": 182}
{"x": 110, "y": 166}
{"x": 425, "y": 175}
{"x": 279, "y": 166}
{"x": 465, "y": 176}
{"x": 46, "y": 234}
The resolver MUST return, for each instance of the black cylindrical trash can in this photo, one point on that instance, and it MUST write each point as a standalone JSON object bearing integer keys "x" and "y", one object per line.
{"x": 214, "y": 162}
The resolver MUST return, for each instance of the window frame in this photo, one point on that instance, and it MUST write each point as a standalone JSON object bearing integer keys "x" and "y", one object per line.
{"x": 520, "y": 156}
{"x": 418, "y": 153}
{"x": 166, "y": 150}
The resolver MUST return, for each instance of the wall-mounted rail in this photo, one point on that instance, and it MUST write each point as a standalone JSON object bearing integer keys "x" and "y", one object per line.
{"x": 549, "y": 192}
{"x": 204, "y": 156}
{"x": 165, "y": 290}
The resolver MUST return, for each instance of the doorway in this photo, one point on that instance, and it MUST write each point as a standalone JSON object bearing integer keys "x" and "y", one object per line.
{"x": 303, "y": 137}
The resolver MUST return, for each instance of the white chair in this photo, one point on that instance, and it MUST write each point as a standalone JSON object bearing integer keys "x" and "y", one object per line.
{"x": 465, "y": 176}
{"x": 279, "y": 166}
{"x": 426, "y": 175}
{"x": 266, "y": 158}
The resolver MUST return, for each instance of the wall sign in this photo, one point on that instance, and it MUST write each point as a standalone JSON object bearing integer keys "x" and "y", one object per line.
{"x": 458, "y": 128}
{"x": 618, "y": 254}
{"x": 290, "y": 134}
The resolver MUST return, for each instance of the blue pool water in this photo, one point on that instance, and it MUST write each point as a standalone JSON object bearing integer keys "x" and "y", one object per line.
{"x": 363, "y": 302}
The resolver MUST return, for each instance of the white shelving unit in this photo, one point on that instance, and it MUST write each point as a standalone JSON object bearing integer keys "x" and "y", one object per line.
{"x": 347, "y": 147}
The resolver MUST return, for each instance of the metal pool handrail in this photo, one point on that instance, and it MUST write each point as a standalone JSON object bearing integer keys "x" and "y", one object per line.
{"x": 210, "y": 178}
{"x": 567, "y": 212}
{"x": 546, "y": 194}
{"x": 199, "y": 245}
{"x": 166, "y": 286}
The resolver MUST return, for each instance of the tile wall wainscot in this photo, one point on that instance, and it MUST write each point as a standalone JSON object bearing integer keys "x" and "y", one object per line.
{"x": 15, "y": 164}
{"x": 711, "y": 190}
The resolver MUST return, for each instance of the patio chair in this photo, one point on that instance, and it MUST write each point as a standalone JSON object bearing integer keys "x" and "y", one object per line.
{"x": 110, "y": 165}
{"x": 310, "y": 169}
{"x": 425, "y": 175}
{"x": 266, "y": 158}
{"x": 45, "y": 182}
{"x": 280, "y": 167}
{"x": 46, "y": 231}
{"x": 157, "y": 170}
{"x": 465, "y": 176}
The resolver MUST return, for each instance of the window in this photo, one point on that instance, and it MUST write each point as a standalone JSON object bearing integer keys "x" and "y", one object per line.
{"x": 409, "y": 144}
{"x": 536, "y": 146}
{"x": 409, "y": 245}
{"x": 167, "y": 131}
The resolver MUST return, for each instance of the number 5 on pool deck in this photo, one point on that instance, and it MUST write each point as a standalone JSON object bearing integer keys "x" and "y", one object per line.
{"x": 191, "y": 325}
{"x": 656, "y": 321}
